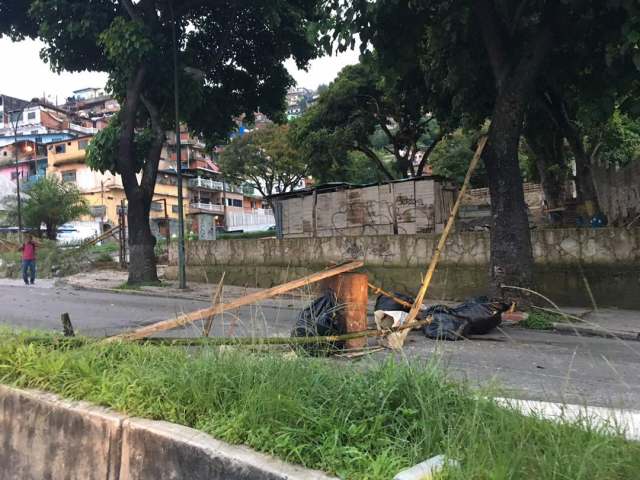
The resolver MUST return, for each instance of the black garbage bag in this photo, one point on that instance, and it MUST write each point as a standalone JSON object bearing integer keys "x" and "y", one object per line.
{"x": 388, "y": 304}
{"x": 320, "y": 318}
{"x": 445, "y": 323}
{"x": 482, "y": 314}
{"x": 476, "y": 316}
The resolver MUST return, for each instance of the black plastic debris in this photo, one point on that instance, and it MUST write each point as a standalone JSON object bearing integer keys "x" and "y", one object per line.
{"x": 321, "y": 318}
{"x": 474, "y": 317}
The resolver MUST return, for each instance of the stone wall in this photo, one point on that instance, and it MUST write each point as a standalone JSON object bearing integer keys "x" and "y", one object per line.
{"x": 608, "y": 258}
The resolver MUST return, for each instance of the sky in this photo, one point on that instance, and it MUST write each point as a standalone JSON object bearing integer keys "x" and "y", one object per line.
{"x": 26, "y": 76}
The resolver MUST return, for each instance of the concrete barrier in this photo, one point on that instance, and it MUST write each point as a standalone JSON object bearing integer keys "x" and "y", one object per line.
{"x": 45, "y": 437}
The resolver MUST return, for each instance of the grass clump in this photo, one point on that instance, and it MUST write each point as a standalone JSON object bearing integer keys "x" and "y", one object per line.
{"x": 540, "y": 320}
{"x": 357, "y": 423}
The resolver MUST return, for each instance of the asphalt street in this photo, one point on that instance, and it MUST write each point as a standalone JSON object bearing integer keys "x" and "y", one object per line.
{"x": 521, "y": 363}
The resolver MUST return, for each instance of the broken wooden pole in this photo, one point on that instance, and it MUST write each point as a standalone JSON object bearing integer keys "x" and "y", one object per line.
{"x": 235, "y": 304}
{"x": 400, "y": 337}
{"x": 351, "y": 290}
{"x": 240, "y": 341}
{"x": 67, "y": 327}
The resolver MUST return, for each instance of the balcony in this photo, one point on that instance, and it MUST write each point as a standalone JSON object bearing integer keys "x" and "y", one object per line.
{"x": 209, "y": 184}
{"x": 206, "y": 183}
{"x": 207, "y": 207}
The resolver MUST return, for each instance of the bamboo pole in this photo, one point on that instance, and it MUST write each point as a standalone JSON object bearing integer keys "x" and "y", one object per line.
{"x": 378, "y": 290}
{"x": 214, "y": 301}
{"x": 235, "y": 304}
{"x": 216, "y": 341}
{"x": 400, "y": 337}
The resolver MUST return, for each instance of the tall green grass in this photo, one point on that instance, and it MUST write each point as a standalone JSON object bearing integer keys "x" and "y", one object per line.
{"x": 358, "y": 423}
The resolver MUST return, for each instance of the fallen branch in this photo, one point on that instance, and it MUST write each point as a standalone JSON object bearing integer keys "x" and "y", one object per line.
{"x": 216, "y": 341}
{"x": 235, "y": 304}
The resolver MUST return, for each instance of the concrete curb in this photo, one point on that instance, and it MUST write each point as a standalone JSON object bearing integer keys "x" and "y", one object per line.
{"x": 44, "y": 436}
{"x": 609, "y": 419}
{"x": 576, "y": 329}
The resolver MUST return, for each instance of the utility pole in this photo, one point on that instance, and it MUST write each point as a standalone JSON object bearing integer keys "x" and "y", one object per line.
{"x": 182, "y": 273}
{"x": 17, "y": 115}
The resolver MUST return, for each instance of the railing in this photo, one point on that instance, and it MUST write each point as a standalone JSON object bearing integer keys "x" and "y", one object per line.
{"x": 206, "y": 183}
{"x": 213, "y": 185}
{"x": 209, "y": 207}
{"x": 258, "y": 217}
{"x": 82, "y": 129}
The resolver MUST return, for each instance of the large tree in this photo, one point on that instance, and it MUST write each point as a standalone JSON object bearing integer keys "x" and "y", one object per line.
{"x": 484, "y": 58}
{"x": 265, "y": 158}
{"x": 236, "y": 47}
{"x": 363, "y": 102}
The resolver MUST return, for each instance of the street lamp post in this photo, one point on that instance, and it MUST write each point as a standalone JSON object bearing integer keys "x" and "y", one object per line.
{"x": 182, "y": 273}
{"x": 17, "y": 115}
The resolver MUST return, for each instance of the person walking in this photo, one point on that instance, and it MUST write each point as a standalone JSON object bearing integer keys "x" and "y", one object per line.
{"x": 28, "y": 250}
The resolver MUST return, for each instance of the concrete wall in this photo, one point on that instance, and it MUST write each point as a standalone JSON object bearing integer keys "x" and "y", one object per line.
{"x": 44, "y": 437}
{"x": 609, "y": 258}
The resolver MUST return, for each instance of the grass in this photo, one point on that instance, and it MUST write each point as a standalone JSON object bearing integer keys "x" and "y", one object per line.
{"x": 540, "y": 320}
{"x": 358, "y": 423}
{"x": 105, "y": 248}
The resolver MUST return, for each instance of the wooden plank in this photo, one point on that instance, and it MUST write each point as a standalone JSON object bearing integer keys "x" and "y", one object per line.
{"x": 235, "y": 304}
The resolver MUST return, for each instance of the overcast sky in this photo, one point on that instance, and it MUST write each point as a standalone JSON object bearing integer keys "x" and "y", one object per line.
{"x": 25, "y": 75}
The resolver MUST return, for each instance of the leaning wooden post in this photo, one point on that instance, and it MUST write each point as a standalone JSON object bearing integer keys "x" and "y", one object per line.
{"x": 396, "y": 340}
{"x": 67, "y": 327}
{"x": 351, "y": 291}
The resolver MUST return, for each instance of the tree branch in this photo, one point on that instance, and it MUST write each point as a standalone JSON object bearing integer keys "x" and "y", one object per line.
{"x": 150, "y": 170}
{"x": 371, "y": 154}
{"x": 126, "y": 148}
{"x": 493, "y": 40}
{"x": 428, "y": 152}
{"x": 131, "y": 10}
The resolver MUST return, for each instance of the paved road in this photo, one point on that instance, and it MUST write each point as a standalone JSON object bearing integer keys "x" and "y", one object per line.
{"x": 533, "y": 365}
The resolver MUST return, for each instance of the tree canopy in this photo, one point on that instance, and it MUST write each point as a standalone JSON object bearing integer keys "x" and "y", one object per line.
{"x": 487, "y": 59}
{"x": 266, "y": 158}
{"x": 230, "y": 55}
{"x": 361, "y": 106}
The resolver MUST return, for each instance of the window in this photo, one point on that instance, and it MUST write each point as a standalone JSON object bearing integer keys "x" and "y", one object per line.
{"x": 232, "y": 202}
{"x": 61, "y": 148}
{"x": 34, "y": 132}
{"x": 4, "y": 153}
{"x": 157, "y": 206}
{"x": 31, "y": 115}
{"x": 174, "y": 208}
{"x": 69, "y": 176}
{"x": 82, "y": 144}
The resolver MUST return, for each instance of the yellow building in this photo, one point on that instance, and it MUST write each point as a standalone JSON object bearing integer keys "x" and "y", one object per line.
{"x": 104, "y": 191}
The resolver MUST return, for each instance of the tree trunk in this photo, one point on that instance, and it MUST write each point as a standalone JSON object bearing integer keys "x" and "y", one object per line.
{"x": 547, "y": 145}
{"x": 142, "y": 257}
{"x": 511, "y": 253}
{"x": 585, "y": 186}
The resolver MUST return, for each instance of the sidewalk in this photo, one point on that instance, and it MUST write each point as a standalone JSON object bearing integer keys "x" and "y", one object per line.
{"x": 609, "y": 322}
